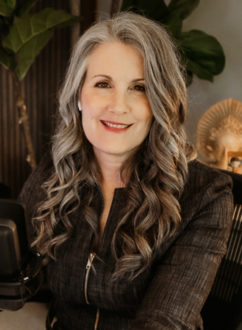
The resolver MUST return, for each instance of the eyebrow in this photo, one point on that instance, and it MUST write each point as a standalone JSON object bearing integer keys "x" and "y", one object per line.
{"x": 108, "y": 77}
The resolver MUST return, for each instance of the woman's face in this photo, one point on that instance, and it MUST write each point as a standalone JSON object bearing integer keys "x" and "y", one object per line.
{"x": 116, "y": 115}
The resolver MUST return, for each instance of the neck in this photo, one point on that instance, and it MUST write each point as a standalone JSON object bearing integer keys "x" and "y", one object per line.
{"x": 110, "y": 166}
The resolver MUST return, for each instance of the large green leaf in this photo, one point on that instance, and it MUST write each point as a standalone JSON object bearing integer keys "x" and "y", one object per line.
{"x": 200, "y": 71}
{"x": 203, "y": 50}
{"x": 7, "y": 60}
{"x": 28, "y": 27}
{"x": 177, "y": 11}
{"x": 173, "y": 24}
{"x": 29, "y": 51}
{"x": 7, "y": 7}
{"x": 202, "y": 53}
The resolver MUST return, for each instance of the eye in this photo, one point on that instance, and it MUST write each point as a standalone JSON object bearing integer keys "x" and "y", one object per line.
{"x": 139, "y": 88}
{"x": 102, "y": 84}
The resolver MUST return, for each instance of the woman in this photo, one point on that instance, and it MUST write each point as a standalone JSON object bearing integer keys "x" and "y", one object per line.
{"x": 131, "y": 229}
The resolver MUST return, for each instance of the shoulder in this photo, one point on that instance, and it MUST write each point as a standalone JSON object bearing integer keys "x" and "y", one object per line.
{"x": 202, "y": 178}
{"x": 200, "y": 175}
{"x": 206, "y": 188}
{"x": 32, "y": 192}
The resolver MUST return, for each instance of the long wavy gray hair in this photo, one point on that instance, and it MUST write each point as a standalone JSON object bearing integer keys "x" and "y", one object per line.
{"x": 157, "y": 171}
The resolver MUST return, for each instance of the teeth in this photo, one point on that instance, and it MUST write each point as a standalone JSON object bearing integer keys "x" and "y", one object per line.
{"x": 115, "y": 125}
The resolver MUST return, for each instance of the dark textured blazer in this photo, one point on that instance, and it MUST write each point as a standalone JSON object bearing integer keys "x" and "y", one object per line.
{"x": 168, "y": 295}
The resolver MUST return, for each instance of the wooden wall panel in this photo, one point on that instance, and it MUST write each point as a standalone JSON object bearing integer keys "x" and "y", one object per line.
{"x": 40, "y": 87}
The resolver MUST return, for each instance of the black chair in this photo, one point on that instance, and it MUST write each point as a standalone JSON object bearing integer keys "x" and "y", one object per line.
{"x": 223, "y": 308}
{"x": 20, "y": 268}
{"x": 5, "y": 191}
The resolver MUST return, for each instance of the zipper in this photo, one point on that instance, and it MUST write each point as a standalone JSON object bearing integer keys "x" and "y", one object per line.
{"x": 88, "y": 268}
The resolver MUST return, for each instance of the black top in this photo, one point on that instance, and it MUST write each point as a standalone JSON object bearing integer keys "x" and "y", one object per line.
{"x": 171, "y": 293}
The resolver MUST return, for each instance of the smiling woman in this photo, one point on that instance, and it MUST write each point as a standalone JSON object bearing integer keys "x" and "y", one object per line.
{"x": 130, "y": 228}
{"x": 116, "y": 115}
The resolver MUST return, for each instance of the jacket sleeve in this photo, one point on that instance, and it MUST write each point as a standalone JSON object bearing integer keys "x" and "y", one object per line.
{"x": 184, "y": 276}
{"x": 30, "y": 197}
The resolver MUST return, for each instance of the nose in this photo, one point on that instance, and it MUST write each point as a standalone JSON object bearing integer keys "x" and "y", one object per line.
{"x": 119, "y": 102}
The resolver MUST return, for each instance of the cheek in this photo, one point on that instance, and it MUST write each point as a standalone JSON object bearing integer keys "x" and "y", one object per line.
{"x": 143, "y": 127}
{"x": 85, "y": 122}
{"x": 86, "y": 101}
{"x": 142, "y": 109}
{"x": 145, "y": 116}
{"x": 89, "y": 127}
{"x": 147, "y": 121}
{"x": 92, "y": 106}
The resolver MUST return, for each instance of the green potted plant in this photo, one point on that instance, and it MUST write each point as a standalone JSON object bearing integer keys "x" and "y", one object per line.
{"x": 201, "y": 53}
{"x": 22, "y": 37}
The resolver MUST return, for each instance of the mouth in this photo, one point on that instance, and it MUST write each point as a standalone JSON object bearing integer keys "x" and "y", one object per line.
{"x": 113, "y": 125}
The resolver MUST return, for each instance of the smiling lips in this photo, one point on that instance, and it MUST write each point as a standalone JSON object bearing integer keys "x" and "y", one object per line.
{"x": 115, "y": 127}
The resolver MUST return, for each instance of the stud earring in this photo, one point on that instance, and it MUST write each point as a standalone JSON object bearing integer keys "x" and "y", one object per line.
{"x": 79, "y": 106}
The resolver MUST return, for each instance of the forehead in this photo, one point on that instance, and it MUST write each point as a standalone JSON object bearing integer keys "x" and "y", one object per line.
{"x": 115, "y": 56}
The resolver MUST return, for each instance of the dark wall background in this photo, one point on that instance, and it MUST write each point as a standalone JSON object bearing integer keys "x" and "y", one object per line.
{"x": 40, "y": 86}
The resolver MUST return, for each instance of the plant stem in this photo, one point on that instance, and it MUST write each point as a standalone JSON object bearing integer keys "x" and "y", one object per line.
{"x": 24, "y": 122}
